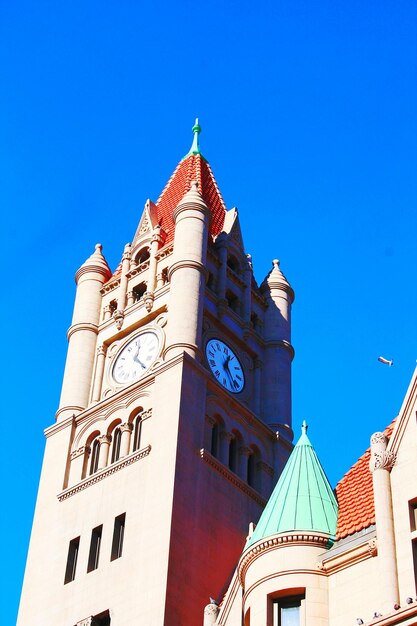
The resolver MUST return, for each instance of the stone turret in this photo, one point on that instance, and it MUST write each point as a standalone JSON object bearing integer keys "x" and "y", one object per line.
{"x": 187, "y": 274}
{"x": 279, "y": 352}
{"x": 298, "y": 523}
{"x": 82, "y": 334}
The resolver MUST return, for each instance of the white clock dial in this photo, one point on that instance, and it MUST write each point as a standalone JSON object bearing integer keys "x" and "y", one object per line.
{"x": 225, "y": 365}
{"x": 136, "y": 357}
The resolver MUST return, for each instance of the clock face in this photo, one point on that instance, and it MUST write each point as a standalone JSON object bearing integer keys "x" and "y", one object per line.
{"x": 136, "y": 357}
{"x": 225, "y": 365}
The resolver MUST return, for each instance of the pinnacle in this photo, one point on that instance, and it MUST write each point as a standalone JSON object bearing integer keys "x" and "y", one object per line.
{"x": 195, "y": 146}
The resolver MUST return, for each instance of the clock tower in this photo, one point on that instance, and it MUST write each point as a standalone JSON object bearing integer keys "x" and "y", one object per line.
{"x": 174, "y": 420}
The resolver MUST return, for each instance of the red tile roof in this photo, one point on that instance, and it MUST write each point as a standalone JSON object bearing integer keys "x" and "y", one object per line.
{"x": 193, "y": 167}
{"x": 355, "y": 496}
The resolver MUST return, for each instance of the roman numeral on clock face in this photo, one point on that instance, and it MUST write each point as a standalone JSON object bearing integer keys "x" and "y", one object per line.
{"x": 219, "y": 359}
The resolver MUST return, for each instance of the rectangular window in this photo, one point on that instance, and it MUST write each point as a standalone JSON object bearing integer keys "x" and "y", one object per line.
{"x": 73, "y": 549}
{"x": 286, "y": 612}
{"x": 118, "y": 536}
{"x": 94, "y": 548}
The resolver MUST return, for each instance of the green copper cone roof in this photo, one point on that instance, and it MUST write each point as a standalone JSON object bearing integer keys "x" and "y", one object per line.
{"x": 302, "y": 498}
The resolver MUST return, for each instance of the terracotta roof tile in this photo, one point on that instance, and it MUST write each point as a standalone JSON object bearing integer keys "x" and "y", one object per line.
{"x": 194, "y": 167}
{"x": 191, "y": 168}
{"x": 355, "y": 496}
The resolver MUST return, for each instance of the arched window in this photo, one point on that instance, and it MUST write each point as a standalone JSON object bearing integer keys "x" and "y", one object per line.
{"x": 137, "y": 433}
{"x": 113, "y": 306}
{"x": 233, "y": 263}
{"x": 95, "y": 452}
{"x": 233, "y": 301}
{"x": 142, "y": 255}
{"x": 115, "y": 452}
{"x": 138, "y": 292}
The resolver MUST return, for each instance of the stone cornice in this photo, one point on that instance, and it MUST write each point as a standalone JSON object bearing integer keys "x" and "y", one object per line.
{"x": 101, "y": 474}
{"x": 60, "y": 425}
{"x": 337, "y": 562}
{"x": 82, "y": 326}
{"x": 281, "y": 540}
{"x": 232, "y": 477}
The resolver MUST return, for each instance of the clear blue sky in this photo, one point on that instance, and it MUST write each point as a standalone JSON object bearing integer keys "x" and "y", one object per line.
{"x": 309, "y": 114}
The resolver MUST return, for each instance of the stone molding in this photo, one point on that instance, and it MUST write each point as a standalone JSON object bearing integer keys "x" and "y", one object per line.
{"x": 110, "y": 286}
{"x": 281, "y": 540}
{"x": 404, "y": 615}
{"x": 82, "y": 326}
{"x": 336, "y": 563}
{"x": 281, "y": 343}
{"x": 79, "y": 452}
{"x": 91, "y": 269}
{"x": 164, "y": 252}
{"x": 106, "y": 471}
{"x": 189, "y": 264}
{"x": 232, "y": 477}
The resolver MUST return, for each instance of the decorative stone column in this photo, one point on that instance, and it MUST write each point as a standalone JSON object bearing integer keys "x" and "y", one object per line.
{"x": 82, "y": 335}
{"x": 103, "y": 457}
{"x": 247, "y": 296}
{"x": 126, "y": 430}
{"x": 121, "y": 300}
{"x": 224, "y": 445}
{"x": 98, "y": 378}
{"x": 244, "y": 454}
{"x": 211, "y": 612}
{"x": 154, "y": 247}
{"x": 187, "y": 275}
{"x": 381, "y": 463}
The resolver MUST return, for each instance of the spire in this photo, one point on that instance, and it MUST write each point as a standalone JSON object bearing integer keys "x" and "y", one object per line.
{"x": 195, "y": 147}
{"x": 302, "y": 498}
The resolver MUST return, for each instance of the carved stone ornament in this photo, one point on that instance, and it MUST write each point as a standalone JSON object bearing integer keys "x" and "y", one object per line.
{"x": 211, "y": 610}
{"x": 382, "y": 460}
{"x": 127, "y": 426}
{"x": 79, "y": 452}
{"x": 144, "y": 227}
{"x": 118, "y": 317}
{"x": 148, "y": 299}
{"x": 372, "y": 547}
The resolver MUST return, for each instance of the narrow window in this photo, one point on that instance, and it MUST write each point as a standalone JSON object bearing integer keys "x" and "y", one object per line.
{"x": 113, "y": 306}
{"x": 73, "y": 549}
{"x": 95, "y": 452}
{"x": 118, "y": 536}
{"x": 115, "y": 452}
{"x": 233, "y": 455}
{"x": 286, "y": 612}
{"x": 215, "y": 440}
{"x": 137, "y": 433}
{"x": 95, "y": 544}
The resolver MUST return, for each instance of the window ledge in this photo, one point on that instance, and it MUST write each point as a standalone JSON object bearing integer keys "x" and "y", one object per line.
{"x": 232, "y": 477}
{"x": 103, "y": 473}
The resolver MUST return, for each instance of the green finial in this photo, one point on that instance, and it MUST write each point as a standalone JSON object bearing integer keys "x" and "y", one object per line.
{"x": 304, "y": 427}
{"x": 195, "y": 148}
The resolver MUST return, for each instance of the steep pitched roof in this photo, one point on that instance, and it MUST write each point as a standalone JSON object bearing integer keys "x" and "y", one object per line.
{"x": 302, "y": 498}
{"x": 193, "y": 167}
{"x": 355, "y": 496}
